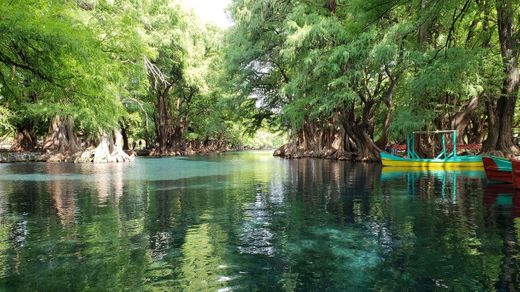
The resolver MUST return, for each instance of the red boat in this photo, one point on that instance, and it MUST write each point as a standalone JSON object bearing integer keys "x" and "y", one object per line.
{"x": 498, "y": 169}
{"x": 516, "y": 173}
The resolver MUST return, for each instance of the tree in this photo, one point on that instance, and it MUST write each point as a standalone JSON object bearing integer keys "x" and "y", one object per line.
{"x": 500, "y": 133}
{"x": 334, "y": 72}
{"x": 68, "y": 69}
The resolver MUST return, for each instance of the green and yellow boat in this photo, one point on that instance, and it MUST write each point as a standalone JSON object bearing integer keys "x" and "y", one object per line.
{"x": 446, "y": 159}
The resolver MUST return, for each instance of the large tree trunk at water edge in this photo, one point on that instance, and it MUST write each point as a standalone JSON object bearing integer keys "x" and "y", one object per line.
{"x": 110, "y": 148}
{"x": 359, "y": 130}
{"x": 61, "y": 137}
{"x": 366, "y": 148}
{"x": 502, "y": 139}
{"x": 461, "y": 119}
{"x": 62, "y": 145}
{"x": 25, "y": 139}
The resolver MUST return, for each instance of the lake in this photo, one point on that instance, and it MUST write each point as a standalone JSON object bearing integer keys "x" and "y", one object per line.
{"x": 246, "y": 221}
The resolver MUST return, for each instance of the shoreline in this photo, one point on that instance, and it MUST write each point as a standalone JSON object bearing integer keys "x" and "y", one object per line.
{"x": 288, "y": 152}
{"x": 41, "y": 157}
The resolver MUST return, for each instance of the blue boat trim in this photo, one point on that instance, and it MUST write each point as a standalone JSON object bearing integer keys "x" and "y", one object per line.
{"x": 470, "y": 158}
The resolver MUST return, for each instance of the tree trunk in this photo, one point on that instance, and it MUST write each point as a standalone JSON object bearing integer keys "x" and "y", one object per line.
{"x": 61, "y": 137}
{"x": 110, "y": 148}
{"x": 331, "y": 5}
{"x": 461, "y": 119}
{"x": 366, "y": 149}
{"x": 425, "y": 29}
{"x": 26, "y": 139}
{"x": 124, "y": 133}
{"x": 506, "y": 103}
{"x": 74, "y": 145}
{"x": 163, "y": 122}
{"x": 478, "y": 130}
{"x": 177, "y": 137}
{"x": 383, "y": 140}
{"x": 492, "y": 124}
{"x": 357, "y": 131}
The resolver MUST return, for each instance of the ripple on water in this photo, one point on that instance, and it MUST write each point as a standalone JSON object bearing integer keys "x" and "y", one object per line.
{"x": 256, "y": 235}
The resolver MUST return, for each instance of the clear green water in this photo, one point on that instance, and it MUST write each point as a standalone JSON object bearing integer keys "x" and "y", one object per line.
{"x": 248, "y": 221}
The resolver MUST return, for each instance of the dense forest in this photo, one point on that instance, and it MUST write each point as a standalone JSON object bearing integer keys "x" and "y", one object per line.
{"x": 343, "y": 78}
{"x": 77, "y": 74}
{"x": 348, "y": 77}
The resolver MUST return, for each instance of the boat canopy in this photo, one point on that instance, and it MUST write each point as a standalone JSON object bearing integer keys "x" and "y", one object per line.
{"x": 445, "y": 152}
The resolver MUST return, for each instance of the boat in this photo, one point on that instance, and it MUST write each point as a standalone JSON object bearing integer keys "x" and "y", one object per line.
{"x": 458, "y": 162}
{"x": 515, "y": 174}
{"x": 498, "y": 169}
{"x": 446, "y": 159}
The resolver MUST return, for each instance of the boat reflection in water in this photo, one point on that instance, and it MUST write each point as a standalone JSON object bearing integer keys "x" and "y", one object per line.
{"x": 500, "y": 197}
{"x": 503, "y": 197}
{"x": 445, "y": 182}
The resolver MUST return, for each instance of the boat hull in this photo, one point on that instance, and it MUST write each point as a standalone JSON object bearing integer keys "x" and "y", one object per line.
{"x": 515, "y": 175}
{"x": 461, "y": 162}
{"x": 498, "y": 169}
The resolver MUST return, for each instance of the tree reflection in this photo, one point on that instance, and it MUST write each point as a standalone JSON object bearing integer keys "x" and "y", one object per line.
{"x": 62, "y": 193}
{"x": 292, "y": 225}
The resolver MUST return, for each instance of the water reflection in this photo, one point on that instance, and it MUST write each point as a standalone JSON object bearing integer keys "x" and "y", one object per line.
{"x": 502, "y": 201}
{"x": 63, "y": 195}
{"x": 256, "y": 235}
{"x": 253, "y": 222}
{"x": 503, "y": 197}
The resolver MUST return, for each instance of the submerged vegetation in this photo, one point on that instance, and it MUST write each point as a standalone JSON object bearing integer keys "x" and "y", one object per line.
{"x": 343, "y": 78}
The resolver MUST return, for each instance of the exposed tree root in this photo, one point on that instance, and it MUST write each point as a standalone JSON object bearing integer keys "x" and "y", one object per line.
{"x": 62, "y": 145}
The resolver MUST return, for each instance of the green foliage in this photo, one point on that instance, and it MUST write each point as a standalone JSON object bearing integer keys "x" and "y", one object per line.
{"x": 5, "y": 126}
{"x": 86, "y": 61}
{"x": 264, "y": 138}
{"x": 355, "y": 61}
{"x": 60, "y": 68}
{"x": 330, "y": 65}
